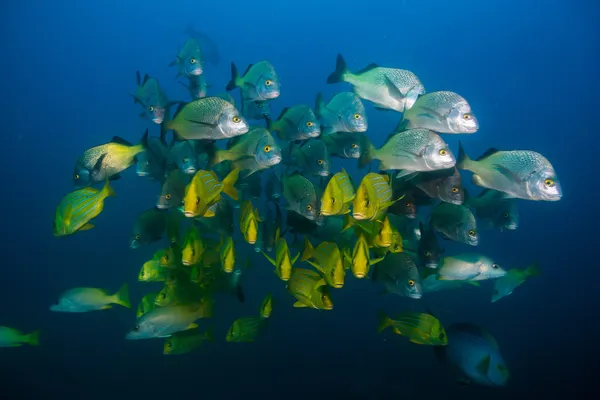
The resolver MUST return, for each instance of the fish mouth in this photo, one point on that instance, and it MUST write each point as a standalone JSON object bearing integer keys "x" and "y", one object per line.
{"x": 141, "y": 173}
{"x": 359, "y": 275}
{"x": 276, "y": 196}
{"x": 134, "y": 245}
{"x": 161, "y": 206}
{"x": 189, "y": 214}
{"x": 411, "y": 216}
{"x": 431, "y": 265}
{"x": 338, "y": 285}
{"x": 157, "y": 120}
{"x": 251, "y": 241}
{"x": 415, "y": 295}
{"x": 196, "y": 72}
{"x": 186, "y": 262}
{"x": 359, "y": 216}
{"x": 190, "y": 170}
{"x": 511, "y": 227}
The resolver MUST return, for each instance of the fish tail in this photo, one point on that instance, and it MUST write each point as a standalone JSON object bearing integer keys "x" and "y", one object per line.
{"x": 33, "y": 338}
{"x": 229, "y": 184}
{"x": 384, "y": 321}
{"x": 341, "y": 69}
{"x": 210, "y": 334}
{"x": 268, "y": 122}
{"x": 319, "y": 105}
{"x": 309, "y": 250}
{"x": 107, "y": 190}
{"x": 463, "y": 161}
{"x": 532, "y": 270}
{"x": 235, "y": 77}
{"x": 367, "y": 152}
{"x": 122, "y": 296}
{"x": 219, "y": 156}
{"x": 349, "y": 222}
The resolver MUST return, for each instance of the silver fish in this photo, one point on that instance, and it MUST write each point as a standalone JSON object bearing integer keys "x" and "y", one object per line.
{"x": 344, "y": 113}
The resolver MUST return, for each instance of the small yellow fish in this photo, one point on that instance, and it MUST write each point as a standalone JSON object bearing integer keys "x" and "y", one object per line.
{"x": 193, "y": 247}
{"x": 152, "y": 271}
{"x": 227, "y": 254}
{"x": 204, "y": 191}
{"x": 328, "y": 261}
{"x": 249, "y": 220}
{"x": 338, "y": 195}
{"x": 361, "y": 259}
{"x": 169, "y": 257}
{"x": 245, "y": 329}
{"x": 310, "y": 289}
{"x": 283, "y": 262}
{"x": 185, "y": 341}
{"x": 146, "y": 304}
{"x": 373, "y": 197}
{"x": 266, "y": 307}
{"x": 418, "y": 327}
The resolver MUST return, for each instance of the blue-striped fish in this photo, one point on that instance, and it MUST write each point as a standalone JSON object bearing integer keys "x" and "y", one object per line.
{"x": 338, "y": 195}
{"x": 78, "y": 208}
{"x": 245, "y": 329}
{"x": 373, "y": 197}
{"x": 309, "y": 288}
{"x": 360, "y": 261}
{"x": 327, "y": 260}
{"x": 283, "y": 262}
{"x": 418, "y": 327}
{"x": 204, "y": 191}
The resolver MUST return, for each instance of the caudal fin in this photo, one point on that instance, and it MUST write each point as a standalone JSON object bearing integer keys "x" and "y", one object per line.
{"x": 33, "y": 339}
{"x": 340, "y": 70}
{"x": 384, "y": 322}
{"x": 229, "y": 184}
{"x": 235, "y": 76}
{"x": 309, "y": 250}
{"x": 463, "y": 161}
{"x": 122, "y": 296}
{"x": 108, "y": 190}
{"x": 533, "y": 270}
{"x": 319, "y": 105}
{"x": 367, "y": 152}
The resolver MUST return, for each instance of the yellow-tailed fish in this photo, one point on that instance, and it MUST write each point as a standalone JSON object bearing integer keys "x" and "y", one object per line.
{"x": 266, "y": 307}
{"x": 338, "y": 195}
{"x": 90, "y": 299}
{"x": 10, "y": 337}
{"x": 182, "y": 291}
{"x": 420, "y": 328}
{"x": 310, "y": 289}
{"x": 169, "y": 257}
{"x": 373, "y": 197}
{"x": 227, "y": 254}
{"x": 249, "y": 220}
{"x": 205, "y": 190}
{"x": 193, "y": 247}
{"x": 245, "y": 329}
{"x": 187, "y": 341}
{"x": 78, "y": 208}
{"x": 283, "y": 262}
{"x": 146, "y": 304}
{"x": 328, "y": 261}
{"x": 361, "y": 258}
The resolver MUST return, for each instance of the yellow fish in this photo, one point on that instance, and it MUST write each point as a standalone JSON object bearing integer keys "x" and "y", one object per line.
{"x": 361, "y": 258}
{"x": 249, "y": 220}
{"x": 418, "y": 327}
{"x": 204, "y": 191}
{"x": 185, "y": 341}
{"x": 193, "y": 247}
{"x": 373, "y": 197}
{"x": 227, "y": 254}
{"x": 310, "y": 289}
{"x": 169, "y": 257}
{"x": 146, "y": 304}
{"x": 283, "y": 262}
{"x": 152, "y": 271}
{"x": 266, "y": 307}
{"x": 328, "y": 261}
{"x": 338, "y": 195}
{"x": 245, "y": 329}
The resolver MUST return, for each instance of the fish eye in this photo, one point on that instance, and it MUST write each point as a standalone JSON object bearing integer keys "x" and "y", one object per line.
{"x": 166, "y": 257}
{"x": 549, "y": 182}
{"x": 471, "y": 232}
{"x": 169, "y": 346}
{"x": 267, "y": 149}
{"x": 409, "y": 204}
{"x": 168, "y": 196}
{"x": 163, "y": 296}
{"x": 454, "y": 189}
{"x": 236, "y": 119}
{"x": 323, "y": 297}
{"x": 505, "y": 215}
{"x": 193, "y": 61}
{"x": 309, "y": 124}
{"x": 443, "y": 152}
{"x": 367, "y": 203}
{"x": 197, "y": 200}
{"x": 467, "y": 116}
{"x": 142, "y": 309}
{"x": 333, "y": 200}
{"x": 357, "y": 116}
{"x": 320, "y": 162}
{"x": 308, "y": 207}
{"x": 76, "y": 176}
{"x": 268, "y": 82}
{"x": 143, "y": 273}
{"x": 495, "y": 266}
{"x": 151, "y": 108}
{"x": 137, "y": 237}
{"x": 411, "y": 282}
{"x": 136, "y": 328}
{"x": 354, "y": 146}
{"x": 193, "y": 251}
{"x": 442, "y": 336}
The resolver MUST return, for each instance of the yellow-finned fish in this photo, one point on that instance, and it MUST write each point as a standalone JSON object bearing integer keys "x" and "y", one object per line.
{"x": 245, "y": 329}
{"x": 379, "y": 234}
{"x": 169, "y": 257}
{"x": 204, "y": 191}
{"x": 152, "y": 271}
{"x": 10, "y": 337}
{"x": 328, "y": 261}
{"x": 78, "y": 208}
{"x": 180, "y": 291}
{"x": 338, "y": 195}
{"x": 227, "y": 254}
{"x": 146, "y": 304}
{"x": 361, "y": 259}
{"x": 310, "y": 289}
{"x": 249, "y": 220}
{"x": 266, "y": 307}
{"x": 420, "y": 328}
{"x": 283, "y": 262}
{"x": 187, "y": 341}
{"x": 193, "y": 247}
{"x": 90, "y": 299}
{"x": 373, "y": 197}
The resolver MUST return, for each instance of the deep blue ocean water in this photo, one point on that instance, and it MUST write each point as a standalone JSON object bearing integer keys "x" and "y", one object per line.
{"x": 528, "y": 68}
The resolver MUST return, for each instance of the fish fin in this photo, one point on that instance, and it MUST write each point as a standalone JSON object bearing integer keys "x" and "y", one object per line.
{"x": 507, "y": 172}
{"x": 229, "y": 184}
{"x": 474, "y": 283}
{"x": 268, "y": 123}
{"x": 86, "y": 227}
{"x": 383, "y": 109}
{"x": 120, "y": 140}
{"x": 137, "y": 100}
{"x": 33, "y": 339}
{"x": 193, "y": 325}
{"x": 367, "y": 68}
{"x": 375, "y": 261}
{"x": 341, "y": 69}
{"x": 317, "y": 266}
{"x": 146, "y": 77}
{"x": 349, "y": 222}
{"x": 269, "y": 258}
{"x": 319, "y": 106}
{"x": 115, "y": 177}
{"x": 138, "y": 78}
{"x": 402, "y": 125}
{"x": 532, "y": 270}
{"x": 484, "y": 365}
{"x": 406, "y": 174}
{"x": 384, "y": 321}
{"x": 393, "y": 90}
{"x": 295, "y": 258}
{"x": 487, "y": 153}
{"x": 235, "y": 77}
{"x": 122, "y": 296}
{"x": 463, "y": 161}
{"x": 106, "y": 307}
{"x": 299, "y": 305}
{"x": 308, "y": 250}
{"x": 107, "y": 190}
{"x": 98, "y": 165}
{"x": 174, "y": 62}
{"x": 367, "y": 152}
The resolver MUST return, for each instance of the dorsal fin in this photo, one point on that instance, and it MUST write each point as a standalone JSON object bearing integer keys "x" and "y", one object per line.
{"x": 146, "y": 77}
{"x": 367, "y": 68}
{"x": 120, "y": 140}
{"x": 487, "y": 153}
{"x": 247, "y": 69}
{"x": 282, "y": 112}
{"x": 482, "y": 193}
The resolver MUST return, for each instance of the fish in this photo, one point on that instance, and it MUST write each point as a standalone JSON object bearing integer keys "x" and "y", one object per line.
{"x": 300, "y": 195}
{"x": 245, "y": 329}
{"x": 10, "y": 337}
{"x": 186, "y": 341}
{"x": 146, "y": 304}
{"x": 444, "y": 184}
{"x": 106, "y": 161}
{"x": 414, "y": 150}
{"x": 85, "y": 299}
{"x": 373, "y": 197}
{"x": 474, "y": 353}
{"x": 209, "y": 49}
{"x": 388, "y": 88}
{"x": 327, "y": 260}
{"x": 169, "y": 257}
{"x": 441, "y": 112}
{"x": 295, "y": 123}
{"x": 152, "y": 162}
{"x": 203, "y": 193}
{"x": 152, "y": 271}
{"x": 266, "y": 307}
{"x": 255, "y": 110}
{"x": 78, "y": 208}
{"x": 208, "y": 118}
{"x": 455, "y": 222}
{"x": 494, "y": 211}
{"x": 521, "y": 174}
{"x": 514, "y": 277}
{"x": 398, "y": 274}
{"x": 249, "y": 219}
{"x": 150, "y": 226}
{"x": 360, "y": 261}
{"x": 283, "y": 261}
{"x": 152, "y": 98}
{"x": 196, "y": 86}
{"x": 272, "y": 223}
{"x": 344, "y": 144}
{"x": 252, "y": 152}
{"x": 182, "y": 155}
{"x": 173, "y": 190}
{"x": 310, "y": 157}
{"x": 420, "y": 328}
{"x": 174, "y": 219}
{"x": 181, "y": 290}
{"x": 258, "y": 83}
{"x": 189, "y": 59}
{"x": 309, "y": 289}
{"x": 338, "y": 195}
{"x": 163, "y": 322}
{"x": 193, "y": 247}
{"x": 429, "y": 250}
{"x": 344, "y": 113}
{"x": 469, "y": 267}
{"x": 432, "y": 284}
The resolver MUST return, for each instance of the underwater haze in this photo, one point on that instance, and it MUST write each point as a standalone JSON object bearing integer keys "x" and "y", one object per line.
{"x": 529, "y": 70}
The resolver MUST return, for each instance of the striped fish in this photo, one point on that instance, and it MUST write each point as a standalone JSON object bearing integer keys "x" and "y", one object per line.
{"x": 420, "y": 328}
{"x": 337, "y": 195}
{"x": 245, "y": 329}
{"x": 78, "y": 208}
{"x": 373, "y": 197}
{"x": 204, "y": 191}
{"x": 309, "y": 288}
{"x": 328, "y": 261}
